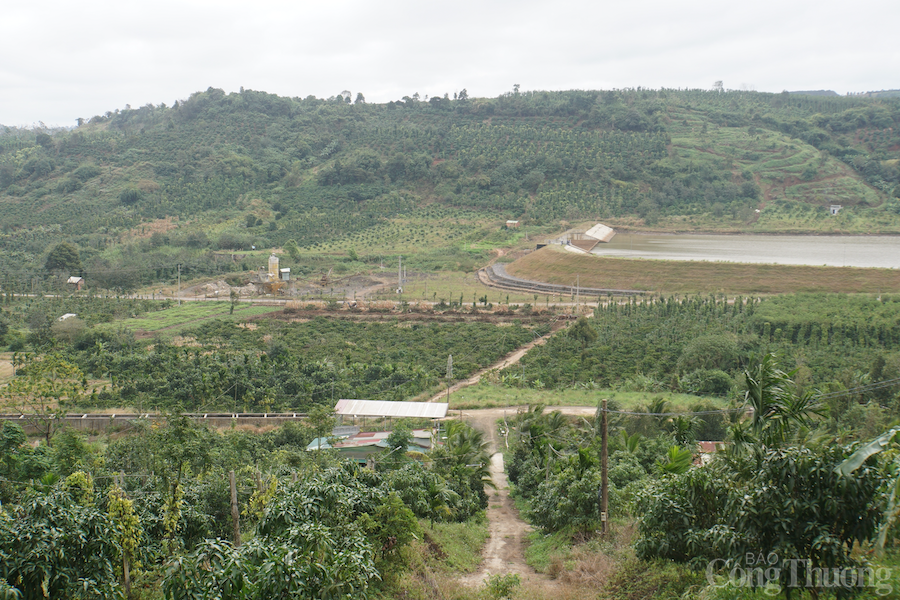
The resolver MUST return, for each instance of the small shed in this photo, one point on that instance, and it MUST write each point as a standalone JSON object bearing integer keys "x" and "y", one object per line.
{"x": 75, "y": 282}
{"x": 835, "y": 209}
{"x": 512, "y": 224}
{"x": 706, "y": 450}
{"x": 284, "y": 274}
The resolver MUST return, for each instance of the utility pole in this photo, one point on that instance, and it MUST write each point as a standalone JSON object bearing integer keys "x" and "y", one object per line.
{"x": 449, "y": 375}
{"x": 604, "y": 485}
{"x": 400, "y": 276}
{"x": 179, "y": 285}
{"x": 235, "y": 513}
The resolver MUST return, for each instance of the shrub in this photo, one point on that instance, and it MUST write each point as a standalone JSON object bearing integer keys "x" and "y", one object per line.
{"x": 130, "y": 195}
{"x": 703, "y": 382}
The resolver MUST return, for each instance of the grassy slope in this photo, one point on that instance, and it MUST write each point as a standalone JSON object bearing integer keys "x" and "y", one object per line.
{"x": 791, "y": 200}
{"x": 496, "y": 395}
{"x": 555, "y": 265}
{"x": 173, "y": 320}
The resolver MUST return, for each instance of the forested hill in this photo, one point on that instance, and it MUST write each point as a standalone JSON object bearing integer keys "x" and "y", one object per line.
{"x": 230, "y": 171}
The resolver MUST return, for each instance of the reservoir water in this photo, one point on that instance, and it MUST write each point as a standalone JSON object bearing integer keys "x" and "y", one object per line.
{"x": 836, "y": 251}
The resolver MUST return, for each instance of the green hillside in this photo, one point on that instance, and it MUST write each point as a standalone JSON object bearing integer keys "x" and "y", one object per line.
{"x": 203, "y": 182}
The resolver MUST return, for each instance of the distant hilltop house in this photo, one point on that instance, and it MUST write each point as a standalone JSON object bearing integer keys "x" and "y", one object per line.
{"x": 75, "y": 282}
{"x": 835, "y": 209}
{"x": 512, "y": 224}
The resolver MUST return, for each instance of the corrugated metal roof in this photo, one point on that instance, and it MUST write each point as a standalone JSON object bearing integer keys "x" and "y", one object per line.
{"x": 601, "y": 232}
{"x": 376, "y": 408}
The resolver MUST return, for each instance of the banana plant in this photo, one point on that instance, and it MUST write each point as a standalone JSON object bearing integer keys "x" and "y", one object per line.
{"x": 677, "y": 461}
{"x": 886, "y": 442}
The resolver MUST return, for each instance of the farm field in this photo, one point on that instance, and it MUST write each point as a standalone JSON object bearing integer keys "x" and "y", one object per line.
{"x": 787, "y": 170}
{"x": 489, "y": 394}
{"x": 450, "y": 285}
{"x": 174, "y": 319}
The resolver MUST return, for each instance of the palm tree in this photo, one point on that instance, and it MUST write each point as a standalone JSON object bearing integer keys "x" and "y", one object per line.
{"x": 469, "y": 451}
{"x": 778, "y": 410}
{"x": 684, "y": 428}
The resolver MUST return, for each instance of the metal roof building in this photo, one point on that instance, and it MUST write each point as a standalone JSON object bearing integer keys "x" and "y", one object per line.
{"x": 374, "y": 408}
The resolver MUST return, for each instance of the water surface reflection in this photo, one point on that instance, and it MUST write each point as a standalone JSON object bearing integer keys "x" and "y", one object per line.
{"x": 835, "y": 251}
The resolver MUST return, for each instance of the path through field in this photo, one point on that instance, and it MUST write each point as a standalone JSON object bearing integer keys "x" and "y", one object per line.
{"x": 509, "y": 359}
{"x": 504, "y": 552}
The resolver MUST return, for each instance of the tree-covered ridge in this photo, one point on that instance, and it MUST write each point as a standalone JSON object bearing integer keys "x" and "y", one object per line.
{"x": 229, "y": 171}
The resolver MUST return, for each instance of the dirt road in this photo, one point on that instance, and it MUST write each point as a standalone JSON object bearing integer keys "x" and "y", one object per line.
{"x": 504, "y": 552}
{"x": 509, "y": 359}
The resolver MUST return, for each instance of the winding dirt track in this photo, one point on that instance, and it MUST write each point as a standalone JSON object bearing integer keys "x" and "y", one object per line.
{"x": 504, "y": 552}
{"x": 510, "y": 359}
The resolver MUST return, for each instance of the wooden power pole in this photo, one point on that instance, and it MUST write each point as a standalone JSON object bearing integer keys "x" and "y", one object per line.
{"x": 604, "y": 483}
{"x": 235, "y": 513}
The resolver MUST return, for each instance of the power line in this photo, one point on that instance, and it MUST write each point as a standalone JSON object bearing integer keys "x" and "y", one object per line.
{"x": 677, "y": 414}
{"x": 863, "y": 388}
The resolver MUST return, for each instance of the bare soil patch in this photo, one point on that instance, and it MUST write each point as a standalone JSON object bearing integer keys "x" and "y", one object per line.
{"x": 347, "y": 286}
{"x": 148, "y": 228}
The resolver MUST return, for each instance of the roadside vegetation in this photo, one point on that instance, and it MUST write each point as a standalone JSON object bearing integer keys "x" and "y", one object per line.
{"x": 680, "y": 530}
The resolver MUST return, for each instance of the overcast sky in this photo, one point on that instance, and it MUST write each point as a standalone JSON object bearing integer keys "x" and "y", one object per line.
{"x": 60, "y": 60}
